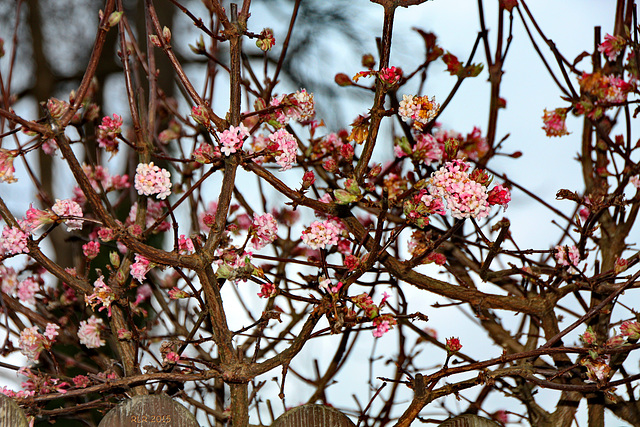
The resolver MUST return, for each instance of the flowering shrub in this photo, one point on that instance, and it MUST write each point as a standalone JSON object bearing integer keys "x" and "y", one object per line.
{"x": 255, "y": 228}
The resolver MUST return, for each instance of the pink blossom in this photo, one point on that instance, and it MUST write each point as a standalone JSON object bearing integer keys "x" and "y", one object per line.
{"x": 14, "y": 240}
{"x": 172, "y": 357}
{"x": 589, "y": 337}
{"x": 287, "y": 145}
{"x": 177, "y": 293}
{"x": 381, "y": 329}
{"x": 89, "y": 332}
{"x": 67, "y": 209}
{"x": 140, "y": 268}
{"x": 185, "y": 245}
{"x": 267, "y": 290}
{"x": 91, "y": 249}
{"x": 264, "y": 230}
{"x": 6, "y": 165}
{"x": 391, "y": 75}
{"x": 326, "y": 285}
{"x": 143, "y": 293}
{"x": 499, "y": 195}
{"x": 464, "y": 196}
{"x": 27, "y": 290}
{"x": 102, "y": 295}
{"x": 108, "y": 132}
{"x": 36, "y": 218}
{"x": 150, "y": 180}
{"x": 321, "y": 234}
{"x": 554, "y": 122}
{"x": 81, "y": 381}
{"x": 630, "y": 329}
{"x": 9, "y": 279}
{"x": 561, "y": 255}
{"x": 206, "y": 153}
{"x": 298, "y": 106}
{"x": 635, "y": 181}
{"x": 231, "y": 139}
{"x": 51, "y": 331}
{"x": 31, "y": 343}
{"x": 453, "y": 345}
{"x": 420, "y": 109}
{"x": 612, "y": 46}
{"x": 154, "y": 210}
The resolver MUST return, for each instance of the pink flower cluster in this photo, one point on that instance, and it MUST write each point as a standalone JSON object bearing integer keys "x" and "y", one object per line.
{"x": 32, "y": 342}
{"x": 286, "y": 144}
{"x": 140, "y": 268}
{"x": 453, "y": 345}
{"x": 554, "y": 122}
{"x": 108, "y": 131}
{"x": 420, "y": 109}
{"x": 89, "y": 332}
{"x": 154, "y": 210}
{"x": 7, "y": 169}
{"x": 91, "y": 249}
{"x": 321, "y": 234}
{"x": 264, "y": 230}
{"x": 102, "y": 295}
{"x": 185, "y": 245}
{"x": 150, "y": 179}
{"x": 465, "y": 197}
{"x": 69, "y": 211}
{"x": 567, "y": 255}
{"x": 298, "y": 106}
{"x": 612, "y": 46}
{"x": 231, "y": 139}
{"x": 14, "y": 240}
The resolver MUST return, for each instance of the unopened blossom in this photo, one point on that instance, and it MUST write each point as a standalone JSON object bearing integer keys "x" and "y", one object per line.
{"x": 177, "y": 293}
{"x": 453, "y": 345}
{"x": 102, "y": 295}
{"x": 91, "y": 249}
{"x": 589, "y": 337}
{"x": 140, "y": 268}
{"x": 7, "y": 169}
{"x": 630, "y": 329}
{"x": 329, "y": 287}
{"x": 231, "y": 139}
{"x": 419, "y": 109}
{"x": 150, "y": 180}
{"x": 68, "y": 208}
{"x": 499, "y": 195}
{"x": 620, "y": 265}
{"x": 612, "y": 46}
{"x": 464, "y": 196}
{"x": 554, "y": 122}
{"x": 81, "y": 381}
{"x": 287, "y": 146}
{"x": 264, "y": 230}
{"x": 27, "y": 289}
{"x": 390, "y": 75}
{"x": 89, "y": 332}
{"x": 321, "y": 234}
{"x": 266, "y": 40}
{"x": 172, "y": 357}
{"x": 308, "y": 179}
{"x": 57, "y": 107}
{"x": 200, "y": 114}
{"x": 267, "y": 290}
{"x": 14, "y": 240}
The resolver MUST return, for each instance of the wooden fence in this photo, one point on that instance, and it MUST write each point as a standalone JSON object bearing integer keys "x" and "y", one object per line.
{"x": 162, "y": 411}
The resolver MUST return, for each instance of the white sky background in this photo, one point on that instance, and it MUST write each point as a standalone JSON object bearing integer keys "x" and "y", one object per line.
{"x": 545, "y": 167}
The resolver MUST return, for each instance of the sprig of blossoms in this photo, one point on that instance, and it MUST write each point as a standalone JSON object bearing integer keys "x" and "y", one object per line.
{"x": 150, "y": 180}
{"x": 7, "y": 169}
{"x": 321, "y": 234}
{"x": 420, "y": 109}
{"x": 554, "y": 122}
{"x": 140, "y": 268}
{"x": 89, "y": 332}
{"x": 231, "y": 139}
{"x": 108, "y": 132}
{"x": 286, "y": 144}
{"x": 264, "y": 230}
{"x": 298, "y": 106}
{"x": 32, "y": 342}
{"x": 14, "y": 240}
{"x": 612, "y": 46}
{"x": 69, "y": 211}
{"x": 102, "y": 295}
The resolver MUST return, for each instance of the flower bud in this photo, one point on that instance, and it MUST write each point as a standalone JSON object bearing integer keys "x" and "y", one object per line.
{"x": 114, "y": 18}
